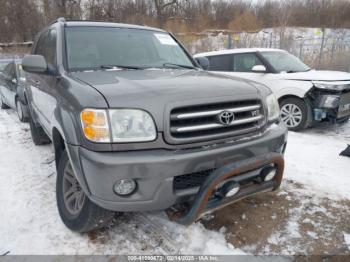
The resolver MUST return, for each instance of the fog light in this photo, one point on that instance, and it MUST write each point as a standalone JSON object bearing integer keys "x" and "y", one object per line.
{"x": 124, "y": 187}
{"x": 270, "y": 175}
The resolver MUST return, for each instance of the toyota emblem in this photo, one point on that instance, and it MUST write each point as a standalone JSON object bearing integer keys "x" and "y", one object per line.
{"x": 226, "y": 117}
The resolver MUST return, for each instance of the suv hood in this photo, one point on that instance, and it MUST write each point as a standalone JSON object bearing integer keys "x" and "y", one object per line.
{"x": 127, "y": 87}
{"x": 154, "y": 90}
{"x": 315, "y": 75}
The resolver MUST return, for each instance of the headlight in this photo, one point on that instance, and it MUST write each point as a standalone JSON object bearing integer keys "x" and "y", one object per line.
{"x": 323, "y": 85}
{"x": 127, "y": 125}
{"x": 273, "y": 107}
{"x": 132, "y": 125}
{"x": 95, "y": 125}
{"x": 331, "y": 101}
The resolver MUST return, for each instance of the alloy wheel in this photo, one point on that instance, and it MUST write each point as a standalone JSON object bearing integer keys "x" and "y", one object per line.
{"x": 291, "y": 115}
{"x": 74, "y": 196}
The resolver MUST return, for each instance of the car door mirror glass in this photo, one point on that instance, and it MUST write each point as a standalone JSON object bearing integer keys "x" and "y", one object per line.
{"x": 34, "y": 64}
{"x": 259, "y": 69}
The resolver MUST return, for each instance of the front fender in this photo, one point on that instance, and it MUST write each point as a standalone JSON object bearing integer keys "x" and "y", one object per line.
{"x": 66, "y": 124}
{"x": 292, "y": 88}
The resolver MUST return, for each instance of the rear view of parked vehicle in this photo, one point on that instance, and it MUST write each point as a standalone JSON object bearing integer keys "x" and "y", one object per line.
{"x": 305, "y": 96}
{"x": 12, "y": 84}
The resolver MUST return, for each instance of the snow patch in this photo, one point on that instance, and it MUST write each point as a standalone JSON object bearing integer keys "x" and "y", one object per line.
{"x": 313, "y": 160}
{"x": 347, "y": 239}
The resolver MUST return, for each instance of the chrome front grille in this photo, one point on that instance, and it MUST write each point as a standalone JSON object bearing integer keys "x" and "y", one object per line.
{"x": 216, "y": 120}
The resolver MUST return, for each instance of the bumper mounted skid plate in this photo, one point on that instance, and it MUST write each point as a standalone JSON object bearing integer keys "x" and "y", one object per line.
{"x": 205, "y": 200}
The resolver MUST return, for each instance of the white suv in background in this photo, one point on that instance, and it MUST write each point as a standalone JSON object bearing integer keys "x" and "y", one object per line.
{"x": 305, "y": 95}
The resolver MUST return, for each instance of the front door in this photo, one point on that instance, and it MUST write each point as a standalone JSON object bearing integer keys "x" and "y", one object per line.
{"x": 43, "y": 85}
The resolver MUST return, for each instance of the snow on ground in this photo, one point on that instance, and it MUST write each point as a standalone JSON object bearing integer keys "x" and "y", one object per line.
{"x": 30, "y": 224}
{"x": 312, "y": 159}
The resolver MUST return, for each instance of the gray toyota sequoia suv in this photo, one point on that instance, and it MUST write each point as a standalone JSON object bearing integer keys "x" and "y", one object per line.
{"x": 137, "y": 125}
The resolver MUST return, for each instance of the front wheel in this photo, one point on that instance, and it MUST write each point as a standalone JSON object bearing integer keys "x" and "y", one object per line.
{"x": 294, "y": 113}
{"x": 76, "y": 210}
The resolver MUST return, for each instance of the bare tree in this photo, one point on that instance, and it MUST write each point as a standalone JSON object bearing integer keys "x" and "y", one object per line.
{"x": 162, "y": 8}
{"x": 20, "y": 19}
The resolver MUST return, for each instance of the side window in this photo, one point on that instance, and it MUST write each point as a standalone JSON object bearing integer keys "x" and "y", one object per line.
{"x": 39, "y": 48}
{"x": 46, "y": 47}
{"x": 245, "y": 62}
{"x": 220, "y": 63}
{"x": 50, "y": 53}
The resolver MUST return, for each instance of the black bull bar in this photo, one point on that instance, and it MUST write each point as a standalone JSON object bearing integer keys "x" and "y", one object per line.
{"x": 203, "y": 202}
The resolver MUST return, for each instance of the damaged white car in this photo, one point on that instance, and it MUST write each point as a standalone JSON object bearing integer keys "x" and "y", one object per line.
{"x": 305, "y": 95}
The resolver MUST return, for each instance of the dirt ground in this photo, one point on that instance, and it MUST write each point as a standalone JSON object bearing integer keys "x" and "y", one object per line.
{"x": 283, "y": 222}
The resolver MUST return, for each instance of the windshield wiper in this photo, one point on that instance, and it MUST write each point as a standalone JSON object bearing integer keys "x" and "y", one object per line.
{"x": 121, "y": 67}
{"x": 172, "y": 65}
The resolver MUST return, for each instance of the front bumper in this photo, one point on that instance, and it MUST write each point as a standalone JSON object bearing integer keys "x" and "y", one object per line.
{"x": 332, "y": 106}
{"x": 154, "y": 170}
{"x": 239, "y": 173}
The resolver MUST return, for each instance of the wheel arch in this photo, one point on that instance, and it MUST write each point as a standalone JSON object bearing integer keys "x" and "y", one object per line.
{"x": 280, "y": 99}
{"x": 60, "y": 147}
{"x": 58, "y": 143}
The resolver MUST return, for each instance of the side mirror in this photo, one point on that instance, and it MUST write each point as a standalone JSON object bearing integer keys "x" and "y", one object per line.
{"x": 34, "y": 64}
{"x": 259, "y": 69}
{"x": 203, "y": 62}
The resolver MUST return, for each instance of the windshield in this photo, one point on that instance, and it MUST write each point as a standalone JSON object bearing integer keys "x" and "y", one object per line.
{"x": 285, "y": 62}
{"x": 108, "y": 47}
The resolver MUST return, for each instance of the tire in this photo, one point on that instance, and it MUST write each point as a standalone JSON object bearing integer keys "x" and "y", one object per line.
{"x": 2, "y": 104}
{"x": 83, "y": 215}
{"x": 21, "y": 111}
{"x": 39, "y": 137}
{"x": 294, "y": 113}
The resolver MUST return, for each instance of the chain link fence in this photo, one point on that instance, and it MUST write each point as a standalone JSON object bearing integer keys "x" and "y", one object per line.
{"x": 317, "y": 47}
